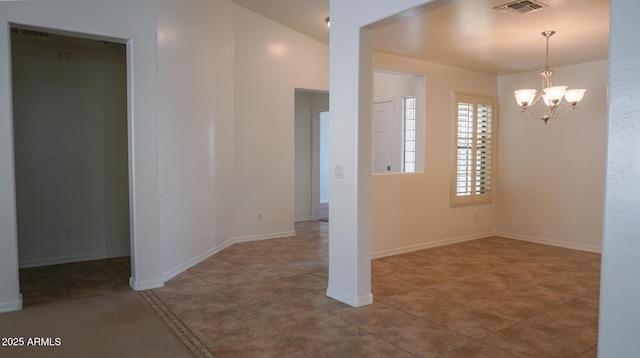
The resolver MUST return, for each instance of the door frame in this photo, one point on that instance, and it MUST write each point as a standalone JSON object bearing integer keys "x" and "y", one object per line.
{"x": 146, "y": 269}
{"x": 315, "y": 160}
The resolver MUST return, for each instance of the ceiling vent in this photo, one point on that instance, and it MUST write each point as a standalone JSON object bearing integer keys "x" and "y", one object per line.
{"x": 29, "y": 33}
{"x": 521, "y": 7}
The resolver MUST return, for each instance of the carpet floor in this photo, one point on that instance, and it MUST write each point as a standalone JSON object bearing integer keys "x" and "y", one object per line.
{"x": 118, "y": 324}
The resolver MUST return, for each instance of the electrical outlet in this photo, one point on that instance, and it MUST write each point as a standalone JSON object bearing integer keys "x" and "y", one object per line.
{"x": 68, "y": 233}
{"x": 476, "y": 217}
{"x": 259, "y": 217}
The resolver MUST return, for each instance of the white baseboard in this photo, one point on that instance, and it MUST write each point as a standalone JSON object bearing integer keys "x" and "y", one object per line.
{"x": 275, "y": 235}
{"x": 428, "y": 245}
{"x": 343, "y": 297}
{"x": 11, "y": 305}
{"x": 549, "y": 242}
{"x": 69, "y": 259}
{"x": 304, "y": 218}
{"x": 145, "y": 285}
{"x": 196, "y": 260}
{"x": 459, "y": 239}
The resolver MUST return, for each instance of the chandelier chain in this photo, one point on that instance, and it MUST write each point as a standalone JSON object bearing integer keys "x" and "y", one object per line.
{"x": 546, "y": 65}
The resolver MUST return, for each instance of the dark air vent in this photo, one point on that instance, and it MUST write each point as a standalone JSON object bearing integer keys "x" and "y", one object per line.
{"x": 29, "y": 33}
{"x": 521, "y": 7}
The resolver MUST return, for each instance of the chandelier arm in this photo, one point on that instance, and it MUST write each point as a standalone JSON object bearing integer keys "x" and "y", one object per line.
{"x": 538, "y": 96}
{"x": 528, "y": 113}
{"x": 567, "y": 104}
{"x": 563, "y": 113}
{"x": 551, "y": 114}
{"x": 535, "y": 116}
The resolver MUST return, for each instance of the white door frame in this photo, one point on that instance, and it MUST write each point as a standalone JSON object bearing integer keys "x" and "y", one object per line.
{"x": 143, "y": 151}
{"x": 315, "y": 161}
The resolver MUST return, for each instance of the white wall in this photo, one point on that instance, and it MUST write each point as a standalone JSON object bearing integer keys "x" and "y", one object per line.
{"x": 551, "y": 177}
{"x": 271, "y": 62}
{"x": 199, "y": 169}
{"x": 410, "y": 211}
{"x": 620, "y": 283}
{"x": 70, "y": 126}
{"x": 305, "y": 103}
{"x": 136, "y": 24}
{"x": 195, "y": 129}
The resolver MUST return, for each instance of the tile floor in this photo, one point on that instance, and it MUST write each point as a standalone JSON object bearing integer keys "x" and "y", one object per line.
{"x": 40, "y": 285}
{"x": 486, "y": 298}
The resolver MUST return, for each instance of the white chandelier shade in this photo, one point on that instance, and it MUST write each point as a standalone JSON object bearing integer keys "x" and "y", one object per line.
{"x": 551, "y": 95}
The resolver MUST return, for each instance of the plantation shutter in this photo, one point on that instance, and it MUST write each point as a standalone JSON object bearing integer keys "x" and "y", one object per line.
{"x": 473, "y": 159}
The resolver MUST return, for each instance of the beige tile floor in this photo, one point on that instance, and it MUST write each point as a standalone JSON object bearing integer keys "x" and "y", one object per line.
{"x": 492, "y": 297}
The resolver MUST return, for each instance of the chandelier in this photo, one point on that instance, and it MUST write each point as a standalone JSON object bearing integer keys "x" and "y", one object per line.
{"x": 550, "y": 94}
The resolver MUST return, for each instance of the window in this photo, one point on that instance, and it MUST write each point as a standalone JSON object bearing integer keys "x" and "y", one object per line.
{"x": 409, "y": 148}
{"x": 473, "y": 149}
{"x": 397, "y": 122}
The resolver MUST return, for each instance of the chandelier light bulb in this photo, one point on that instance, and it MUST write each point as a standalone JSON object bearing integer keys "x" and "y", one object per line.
{"x": 545, "y": 98}
{"x": 525, "y": 97}
{"x": 574, "y": 96}
{"x": 555, "y": 93}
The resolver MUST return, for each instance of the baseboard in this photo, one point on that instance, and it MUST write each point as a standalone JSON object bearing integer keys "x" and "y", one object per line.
{"x": 428, "y": 245}
{"x": 549, "y": 242}
{"x": 69, "y": 259}
{"x": 196, "y": 260}
{"x": 275, "y": 235}
{"x": 343, "y": 297}
{"x": 11, "y": 305}
{"x": 145, "y": 285}
{"x": 304, "y": 218}
{"x": 205, "y": 255}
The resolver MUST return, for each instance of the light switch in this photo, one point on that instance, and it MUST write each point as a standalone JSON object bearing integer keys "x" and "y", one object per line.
{"x": 339, "y": 172}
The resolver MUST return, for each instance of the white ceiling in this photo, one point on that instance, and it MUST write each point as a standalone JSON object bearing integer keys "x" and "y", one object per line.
{"x": 470, "y": 33}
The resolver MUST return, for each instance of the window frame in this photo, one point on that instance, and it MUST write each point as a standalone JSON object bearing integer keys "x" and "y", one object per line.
{"x": 404, "y": 162}
{"x": 474, "y": 196}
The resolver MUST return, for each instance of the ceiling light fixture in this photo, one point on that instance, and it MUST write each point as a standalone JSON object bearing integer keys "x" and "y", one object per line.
{"x": 328, "y": 21}
{"x": 550, "y": 94}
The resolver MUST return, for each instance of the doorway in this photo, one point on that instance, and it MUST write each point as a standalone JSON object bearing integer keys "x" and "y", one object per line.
{"x": 70, "y": 131}
{"x": 321, "y": 155}
{"x": 311, "y": 163}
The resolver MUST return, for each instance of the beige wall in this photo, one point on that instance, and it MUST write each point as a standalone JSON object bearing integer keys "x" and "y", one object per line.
{"x": 412, "y": 211}
{"x": 551, "y": 177}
